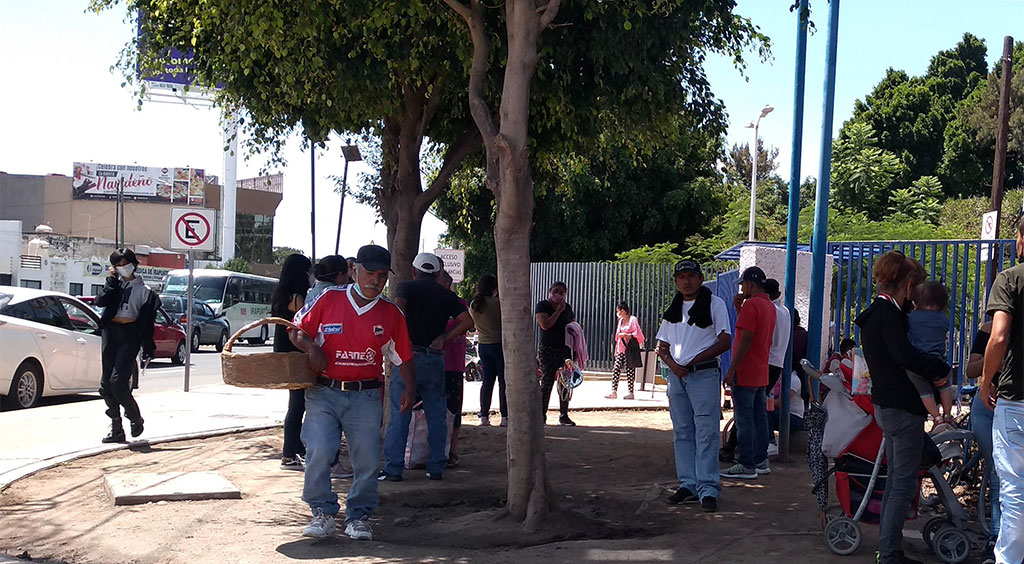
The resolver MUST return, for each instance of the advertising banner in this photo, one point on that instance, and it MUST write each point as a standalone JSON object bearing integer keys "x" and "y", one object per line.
{"x": 185, "y": 186}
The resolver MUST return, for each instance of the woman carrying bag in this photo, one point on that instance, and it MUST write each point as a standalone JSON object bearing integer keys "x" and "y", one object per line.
{"x": 629, "y": 339}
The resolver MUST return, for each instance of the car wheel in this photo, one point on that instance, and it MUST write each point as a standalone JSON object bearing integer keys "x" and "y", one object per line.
{"x": 222, "y": 341}
{"x": 195, "y": 340}
{"x": 179, "y": 353}
{"x": 26, "y": 387}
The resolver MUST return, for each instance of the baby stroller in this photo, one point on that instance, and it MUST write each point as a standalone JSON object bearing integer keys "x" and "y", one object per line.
{"x": 848, "y": 433}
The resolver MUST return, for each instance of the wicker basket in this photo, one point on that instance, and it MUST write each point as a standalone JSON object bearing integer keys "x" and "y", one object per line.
{"x": 273, "y": 370}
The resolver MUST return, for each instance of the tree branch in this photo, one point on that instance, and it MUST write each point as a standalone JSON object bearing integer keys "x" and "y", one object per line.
{"x": 433, "y": 102}
{"x": 460, "y": 8}
{"x": 548, "y": 13}
{"x": 453, "y": 157}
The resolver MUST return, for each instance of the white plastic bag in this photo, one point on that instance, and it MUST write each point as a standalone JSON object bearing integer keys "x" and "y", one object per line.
{"x": 845, "y": 421}
{"x": 861, "y": 383}
{"x": 417, "y": 449}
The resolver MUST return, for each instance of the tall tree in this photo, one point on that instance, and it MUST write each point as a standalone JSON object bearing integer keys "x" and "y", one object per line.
{"x": 660, "y": 62}
{"x": 862, "y": 173}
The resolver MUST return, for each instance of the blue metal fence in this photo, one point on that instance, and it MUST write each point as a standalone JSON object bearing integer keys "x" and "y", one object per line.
{"x": 963, "y": 266}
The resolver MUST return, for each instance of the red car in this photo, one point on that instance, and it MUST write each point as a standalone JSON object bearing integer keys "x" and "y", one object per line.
{"x": 168, "y": 336}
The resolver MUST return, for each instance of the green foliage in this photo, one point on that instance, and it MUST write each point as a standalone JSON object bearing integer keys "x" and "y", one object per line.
{"x": 862, "y": 174}
{"x": 281, "y": 253}
{"x": 920, "y": 201}
{"x": 848, "y": 225}
{"x": 962, "y": 216}
{"x": 238, "y": 264}
{"x": 661, "y": 253}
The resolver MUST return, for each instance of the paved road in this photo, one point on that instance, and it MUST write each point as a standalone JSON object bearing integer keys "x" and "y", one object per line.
{"x": 162, "y": 376}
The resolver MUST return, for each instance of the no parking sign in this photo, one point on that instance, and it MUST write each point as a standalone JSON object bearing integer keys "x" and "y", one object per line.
{"x": 192, "y": 229}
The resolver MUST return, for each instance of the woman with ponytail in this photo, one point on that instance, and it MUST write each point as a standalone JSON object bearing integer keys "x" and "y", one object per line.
{"x": 486, "y": 312}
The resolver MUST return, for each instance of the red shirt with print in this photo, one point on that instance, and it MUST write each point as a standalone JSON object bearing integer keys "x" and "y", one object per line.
{"x": 355, "y": 339}
{"x": 758, "y": 317}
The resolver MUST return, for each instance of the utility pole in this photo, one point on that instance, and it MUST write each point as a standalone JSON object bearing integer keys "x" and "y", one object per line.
{"x": 999, "y": 166}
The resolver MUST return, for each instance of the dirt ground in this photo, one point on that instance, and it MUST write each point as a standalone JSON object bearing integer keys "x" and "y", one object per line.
{"x": 611, "y": 476}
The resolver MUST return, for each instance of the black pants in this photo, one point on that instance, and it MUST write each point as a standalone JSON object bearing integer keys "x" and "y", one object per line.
{"x": 551, "y": 358}
{"x": 121, "y": 344}
{"x": 293, "y": 424}
{"x": 453, "y": 395}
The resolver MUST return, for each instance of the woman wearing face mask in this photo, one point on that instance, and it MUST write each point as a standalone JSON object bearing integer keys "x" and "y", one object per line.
{"x": 552, "y": 315}
{"x": 129, "y": 310}
{"x": 288, "y": 298}
{"x": 897, "y": 404}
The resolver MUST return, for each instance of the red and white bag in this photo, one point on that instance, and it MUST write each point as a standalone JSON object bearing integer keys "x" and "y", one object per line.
{"x": 417, "y": 450}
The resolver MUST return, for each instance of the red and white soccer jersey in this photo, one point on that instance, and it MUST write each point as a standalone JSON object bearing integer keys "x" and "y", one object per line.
{"x": 354, "y": 339}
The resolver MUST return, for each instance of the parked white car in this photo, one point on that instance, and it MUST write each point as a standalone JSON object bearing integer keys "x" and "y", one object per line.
{"x": 49, "y": 345}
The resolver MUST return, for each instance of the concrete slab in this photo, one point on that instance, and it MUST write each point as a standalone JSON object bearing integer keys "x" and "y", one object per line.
{"x": 135, "y": 489}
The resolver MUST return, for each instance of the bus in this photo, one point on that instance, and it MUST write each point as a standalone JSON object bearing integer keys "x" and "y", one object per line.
{"x": 243, "y": 298}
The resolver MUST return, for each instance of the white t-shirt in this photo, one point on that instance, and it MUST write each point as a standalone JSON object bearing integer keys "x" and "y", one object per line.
{"x": 686, "y": 341}
{"x": 796, "y": 403}
{"x": 780, "y": 338}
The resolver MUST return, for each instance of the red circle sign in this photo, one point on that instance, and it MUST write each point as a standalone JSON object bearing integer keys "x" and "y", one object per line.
{"x": 192, "y": 229}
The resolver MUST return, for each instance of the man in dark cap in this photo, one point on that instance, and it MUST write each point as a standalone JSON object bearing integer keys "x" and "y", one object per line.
{"x": 347, "y": 332}
{"x": 748, "y": 373}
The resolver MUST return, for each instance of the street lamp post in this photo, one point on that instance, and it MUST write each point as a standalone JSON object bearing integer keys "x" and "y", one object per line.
{"x": 754, "y": 154}
{"x": 351, "y": 153}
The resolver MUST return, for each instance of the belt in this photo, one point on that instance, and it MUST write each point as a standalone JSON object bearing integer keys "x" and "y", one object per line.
{"x": 349, "y": 386}
{"x": 427, "y": 350}
{"x": 708, "y": 365}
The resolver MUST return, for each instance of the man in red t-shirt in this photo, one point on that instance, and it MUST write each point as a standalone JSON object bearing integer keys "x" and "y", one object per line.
{"x": 748, "y": 374}
{"x": 347, "y": 332}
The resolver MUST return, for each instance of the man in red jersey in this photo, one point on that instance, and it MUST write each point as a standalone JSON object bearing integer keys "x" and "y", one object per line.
{"x": 348, "y": 330}
{"x": 748, "y": 373}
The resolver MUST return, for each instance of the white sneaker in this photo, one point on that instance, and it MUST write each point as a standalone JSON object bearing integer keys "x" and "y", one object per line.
{"x": 773, "y": 450}
{"x": 322, "y": 526}
{"x": 359, "y": 529}
{"x": 504, "y": 422}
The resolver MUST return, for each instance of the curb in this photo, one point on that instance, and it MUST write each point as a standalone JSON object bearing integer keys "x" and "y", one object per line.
{"x": 34, "y": 468}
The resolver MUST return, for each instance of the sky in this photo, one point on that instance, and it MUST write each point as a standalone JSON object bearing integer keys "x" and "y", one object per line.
{"x": 61, "y": 103}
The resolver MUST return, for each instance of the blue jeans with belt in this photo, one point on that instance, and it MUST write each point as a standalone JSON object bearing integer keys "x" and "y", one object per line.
{"x": 430, "y": 385}
{"x": 328, "y": 411}
{"x": 693, "y": 404}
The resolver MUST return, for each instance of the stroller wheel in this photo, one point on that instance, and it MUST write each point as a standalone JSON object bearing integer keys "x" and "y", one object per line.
{"x": 932, "y": 526}
{"x": 842, "y": 536}
{"x": 951, "y": 544}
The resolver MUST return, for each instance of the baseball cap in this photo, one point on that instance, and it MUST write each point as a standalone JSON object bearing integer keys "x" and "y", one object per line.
{"x": 427, "y": 262}
{"x": 686, "y": 266}
{"x": 755, "y": 275}
{"x": 374, "y": 257}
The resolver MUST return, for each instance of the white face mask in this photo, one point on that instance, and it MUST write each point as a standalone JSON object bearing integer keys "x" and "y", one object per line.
{"x": 126, "y": 270}
{"x": 359, "y": 291}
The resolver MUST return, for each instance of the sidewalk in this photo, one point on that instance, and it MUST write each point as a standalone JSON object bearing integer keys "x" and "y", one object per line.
{"x": 40, "y": 438}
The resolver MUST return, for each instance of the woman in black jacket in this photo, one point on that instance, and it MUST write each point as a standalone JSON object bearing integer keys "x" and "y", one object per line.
{"x": 288, "y": 297}
{"x": 898, "y": 407}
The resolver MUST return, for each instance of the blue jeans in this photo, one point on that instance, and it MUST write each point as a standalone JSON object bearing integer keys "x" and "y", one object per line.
{"x": 751, "y": 425}
{"x": 430, "y": 385}
{"x": 981, "y": 424}
{"x": 328, "y": 412}
{"x": 492, "y": 364}
{"x": 693, "y": 404}
{"x": 1008, "y": 452}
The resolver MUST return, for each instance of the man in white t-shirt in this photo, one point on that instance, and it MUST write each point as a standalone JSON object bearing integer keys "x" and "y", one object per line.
{"x": 780, "y": 337}
{"x": 694, "y": 332}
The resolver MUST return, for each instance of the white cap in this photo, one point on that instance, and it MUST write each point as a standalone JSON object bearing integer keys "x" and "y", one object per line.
{"x": 427, "y": 262}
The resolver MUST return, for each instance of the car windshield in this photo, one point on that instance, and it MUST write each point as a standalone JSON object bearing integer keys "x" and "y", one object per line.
{"x": 171, "y": 304}
{"x": 206, "y": 288}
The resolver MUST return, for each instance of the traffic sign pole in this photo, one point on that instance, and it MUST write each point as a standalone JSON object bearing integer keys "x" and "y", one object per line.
{"x": 188, "y": 317}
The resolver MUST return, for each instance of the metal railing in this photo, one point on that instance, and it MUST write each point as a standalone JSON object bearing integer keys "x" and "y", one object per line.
{"x": 963, "y": 266}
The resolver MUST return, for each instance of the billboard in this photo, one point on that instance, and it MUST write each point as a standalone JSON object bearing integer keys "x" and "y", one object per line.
{"x": 94, "y": 181}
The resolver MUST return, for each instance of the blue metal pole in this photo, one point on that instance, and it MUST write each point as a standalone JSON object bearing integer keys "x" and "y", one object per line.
{"x": 819, "y": 240}
{"x": 803, "y": 15}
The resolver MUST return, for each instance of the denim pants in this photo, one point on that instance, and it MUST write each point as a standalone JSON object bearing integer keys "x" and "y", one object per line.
{"x": 904, "y": 446}
{"x": 1008, "y": 452}
{"x": 751, "y": 424}
{"x": 492, "y": 363}
{"x": 693, "y": 404}
{"x": 430, "y": 385}
{"x": 981, "y": 424}
{"x": 328, "y": 411}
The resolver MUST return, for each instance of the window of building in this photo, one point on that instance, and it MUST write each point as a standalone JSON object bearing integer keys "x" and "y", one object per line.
{"x": 35, "y": 284}
{"x": 95, "y": 289}
{"x": 75, "y": 289}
